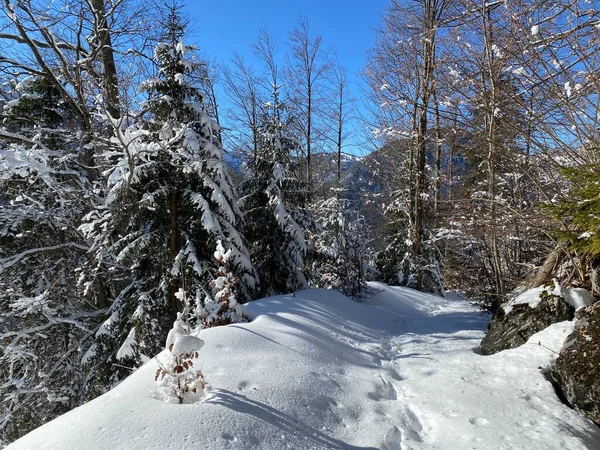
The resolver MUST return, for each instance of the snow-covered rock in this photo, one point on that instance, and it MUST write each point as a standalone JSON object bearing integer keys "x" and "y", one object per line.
{"x": 575, "y": 371}
{"x": 578, "y": 298}
{"x": 529, "y": 313}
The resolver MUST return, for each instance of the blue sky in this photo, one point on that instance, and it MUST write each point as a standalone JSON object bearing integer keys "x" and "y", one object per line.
{"x": 221, "y": 28}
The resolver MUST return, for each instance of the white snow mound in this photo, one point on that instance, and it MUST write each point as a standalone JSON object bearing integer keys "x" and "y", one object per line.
{"x": 577, "y": 297}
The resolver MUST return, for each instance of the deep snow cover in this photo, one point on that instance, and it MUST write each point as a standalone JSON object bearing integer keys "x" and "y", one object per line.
{"x": 320, "y": 371}
{"x": 578, "y": 298}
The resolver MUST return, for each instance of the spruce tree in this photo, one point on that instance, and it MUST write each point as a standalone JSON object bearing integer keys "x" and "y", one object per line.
{"x": 579, "y": 210}
{"x": 341, "y": 254}
{"x": 398, "y": 263}
{"x": 274, "y": 202}
{"x": 169, "y": 201}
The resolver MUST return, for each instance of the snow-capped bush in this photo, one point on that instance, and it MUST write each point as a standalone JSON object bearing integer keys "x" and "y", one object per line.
{"x": 177, "y": 379}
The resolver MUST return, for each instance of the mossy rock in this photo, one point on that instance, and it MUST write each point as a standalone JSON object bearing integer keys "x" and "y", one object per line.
{"x": 575, "y": 371}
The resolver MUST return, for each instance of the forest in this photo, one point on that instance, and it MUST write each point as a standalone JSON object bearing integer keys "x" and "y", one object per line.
{"x": 142, "y": 184}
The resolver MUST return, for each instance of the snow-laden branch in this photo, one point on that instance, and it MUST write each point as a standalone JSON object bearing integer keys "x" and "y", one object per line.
{"x": 37, "y": 54}
{"x": 62, "y": 45}
{"x": 12, "y": 260}
{"x": 21, "y": 138}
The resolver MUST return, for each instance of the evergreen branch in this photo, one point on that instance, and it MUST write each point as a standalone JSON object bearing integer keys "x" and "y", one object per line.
{"x": 12, "y": 260}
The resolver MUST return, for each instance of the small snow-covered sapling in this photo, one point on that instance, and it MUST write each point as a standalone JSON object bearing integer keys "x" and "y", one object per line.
{"x": 178, "y": 380}
{"x": 222, "y": 309}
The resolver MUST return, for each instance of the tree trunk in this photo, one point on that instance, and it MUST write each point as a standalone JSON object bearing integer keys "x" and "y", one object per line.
{"x": 339, "y": 138}
{"x": 309, "y": 135}
{"x": 491, "y": 103}
{"x": 544, "y": 273}
{"x": 426, "y": 91}
{"x": 419, "y": 200}
{"x": 174, "y": 251}
{"x": 254, "y": 125}
{"x": 110, "y": 83}
{"x": 438, "y": 155}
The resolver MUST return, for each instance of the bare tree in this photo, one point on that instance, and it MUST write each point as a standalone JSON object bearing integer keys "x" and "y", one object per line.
{"x": 402, "y": 76}
{"x": 306, "y": 76}
{"x": 559, "y": 71}
{"x": 250, "y": 91}
{"x": 340, "y": 114}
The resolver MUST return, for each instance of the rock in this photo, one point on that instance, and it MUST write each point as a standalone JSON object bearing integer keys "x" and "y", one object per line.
{"x": 575, "y": 371}
{"x": 512, "y": 329}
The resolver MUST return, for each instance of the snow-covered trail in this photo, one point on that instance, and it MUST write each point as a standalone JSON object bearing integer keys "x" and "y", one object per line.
{"x": 319, "y": 371}
{"x": 450, "y": 397}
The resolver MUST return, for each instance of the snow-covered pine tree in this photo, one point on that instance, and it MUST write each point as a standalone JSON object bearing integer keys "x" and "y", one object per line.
{"x": 273, "y": 202}
{"x": 394, "y": 262}
{"x": 43, "y": 194}
{"x": 170, "y": 199}
{"x": 397, "y": 264}
{"x": 222, "y": 307}
{"x": 341, "y": 254}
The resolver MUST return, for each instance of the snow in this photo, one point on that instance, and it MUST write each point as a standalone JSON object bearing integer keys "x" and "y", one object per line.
{"x": 180, "y": 78}
{"x": 107, "y": 324}
{"x": 181, "y": 341}
{"x": 17, "y": 160}
{"x": 89, "y": 354}
{"x": 530, "y": 297}
{"x": 186, "y": 344}
{"x": 126, "y": 349}
{"x": 578, "y": 298}
{"x": 497, "y": 51}
{"x": 316, "y": 370}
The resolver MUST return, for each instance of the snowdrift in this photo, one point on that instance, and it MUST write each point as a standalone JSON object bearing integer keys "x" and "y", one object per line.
{"x": 320, "y": 371}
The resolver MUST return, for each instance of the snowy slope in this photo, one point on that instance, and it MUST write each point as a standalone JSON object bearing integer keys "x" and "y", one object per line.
{"x": 319, "y": 371}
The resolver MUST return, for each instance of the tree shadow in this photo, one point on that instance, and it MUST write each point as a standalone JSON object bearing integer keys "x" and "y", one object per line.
{"x": 344, "y": 352}
{"x": 304, "y": 435}
{"x": 591, "y": 439}
{"x": 447, "y": 323}
{"x": 269, "y": 339}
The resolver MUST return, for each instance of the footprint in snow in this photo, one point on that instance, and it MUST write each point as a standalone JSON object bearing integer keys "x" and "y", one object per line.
{"x": 376, "y": 360}
{"x": 411, "y": 430}
{"x": 229, "y": 437}
{"x": 393, "y": 373}
{"x": 414, "y": 424}
{"x": 387, "y": 351}
{"x": 478, "y": 421}
{"x": 327, "y": 378}
{"x": 384, "y": 391}
{"x": 393, "y": 439}
{"x": 386, "y": 348}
